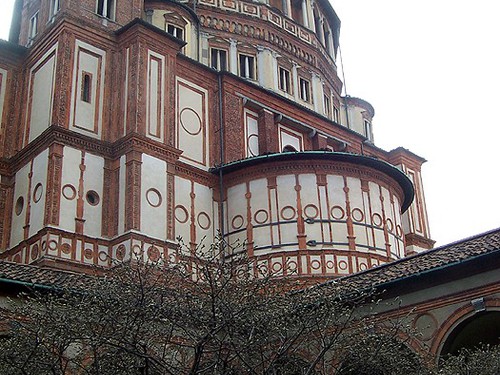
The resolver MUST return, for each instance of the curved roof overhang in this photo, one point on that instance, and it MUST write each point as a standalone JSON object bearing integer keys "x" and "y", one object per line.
{"x": 367, "y": 161}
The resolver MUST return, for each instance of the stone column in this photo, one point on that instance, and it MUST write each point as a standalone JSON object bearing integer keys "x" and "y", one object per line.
{"x": 233, "y": 56}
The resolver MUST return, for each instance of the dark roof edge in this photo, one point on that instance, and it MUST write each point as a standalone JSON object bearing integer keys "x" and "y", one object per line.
{"x": 147, "y": 25}
{"x": 368, "y": 161}
{"x": 405, "y": 259}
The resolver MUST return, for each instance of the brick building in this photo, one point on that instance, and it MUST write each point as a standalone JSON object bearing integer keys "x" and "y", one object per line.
{"x": 126, "y": 124}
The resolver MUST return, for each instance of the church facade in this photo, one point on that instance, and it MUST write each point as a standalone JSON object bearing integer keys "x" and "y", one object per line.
{"x": 128, "y": 124}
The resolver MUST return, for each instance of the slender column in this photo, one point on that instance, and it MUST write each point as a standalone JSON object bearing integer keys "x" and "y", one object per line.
{"x": 274, "y": 56}
{"x": 295, "y": 78}
{"x": 133, "y": 167}
{"x": 233, "y": 56}
{"x": 305, "y": 15}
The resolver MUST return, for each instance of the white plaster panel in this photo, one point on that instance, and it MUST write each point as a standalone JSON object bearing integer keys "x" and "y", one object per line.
{"x": 20, "y": 190}
{"x": 192, "y": 123}
{"x": 310, "y": 206}
{"x": 40, "y": 164}
{"x": 69, "y": 182}
{"x": 93, "y": 180}
{"x": 153, "y": 197}
{"x": 41, "y": 87}
{"x": 182, "y": 211}
{"x": 251, "y": 134}
{"x": 3, "y": 85}
{"x": 121, "y": 195}
{"x": 287, "y": 203}
{"x": 237, "y": 206}
{"x": 289, "y": 137}
{"x": 205, "y": 226}
{"x": 259, "y": 203}
{"x": 155, "y": 95}
{"x": 86, "y": 117}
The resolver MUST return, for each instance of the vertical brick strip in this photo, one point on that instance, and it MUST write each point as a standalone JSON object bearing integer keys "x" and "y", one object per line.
{"x": 268, "y": 133}
{"x": 6, "y": 198}
{"x": 110, "y": 197}
{"x": 54, "y": 177}
{"x": 133, "y": 167}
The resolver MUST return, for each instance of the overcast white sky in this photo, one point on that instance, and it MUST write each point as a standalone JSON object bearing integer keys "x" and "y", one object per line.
{"x": 431, "y": 69}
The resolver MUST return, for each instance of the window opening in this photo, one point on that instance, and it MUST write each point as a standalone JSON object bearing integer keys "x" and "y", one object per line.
{"x": 327, "y": 105}
{"x": 247, "y": 66}
{"x": 305, "y": 93}
{"x": 105, "y": 8}
{"x": 86, "y": 87}
{"x": 33, "y": 26}
{"x": 218, "y": 59}
{"x": 284, "y": 80}
{"x": 175, "y": 31}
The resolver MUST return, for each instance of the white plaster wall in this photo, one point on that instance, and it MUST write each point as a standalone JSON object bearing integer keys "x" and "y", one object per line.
{"x": 42, "y": 81}
{"x": 251, "y": 134}
{"x": 310, "y": 206}
{"x": 154, "y": 181}
{"x": 237, "y": 206}
{"x": 121, "y": 195}
{"x": 260, "y": 211}
{"x": 336, "y": 195}
{"x": 93, "y": 180}
{"x": 69, "y": 182}
{"x": 287, "y": 197}
{"x": 192, "y": 123}
{"x": 20, "y": 190}
{"x": 205, "y": 219}
{"x": 40, "y": 164}
{"x": 86, "y": 118}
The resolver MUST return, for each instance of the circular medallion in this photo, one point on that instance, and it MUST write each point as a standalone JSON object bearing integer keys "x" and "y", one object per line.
{"x": 88, "y": 253}
{"x": 93, "y": 198}
{"x": 311, "y": 211}
{"x": 390, "y": 225}
{"x": 337, "y": 212}
{"x": 204, "y": 220}
{"x": 181, "y": 214}
{"x": 69, "y": 192}
{"x": 357, "y": 215}
{"x": 37, "y": 193}
{"x": 120, "y": 252}
{"x": 153, "y": 197}
{"x": 190, "y": 121}
{"x": 237, "y": 222}
{"x": 261, "y": 216}
{"x": 377, "y": 220}
{"x": 103, "y": 256}
{"x": 154, "y": 253}
{"x": 315, "y": 264}
{"x": 343, "y": 265}
{"x": 35, "y": 252}
{"x": 66, "y": 248}
{"x": 288, "y": 213}
{"x": 19, "y": 206}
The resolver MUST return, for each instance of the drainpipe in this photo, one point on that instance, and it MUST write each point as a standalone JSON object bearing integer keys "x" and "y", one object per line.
{"x": 221, "y": 150}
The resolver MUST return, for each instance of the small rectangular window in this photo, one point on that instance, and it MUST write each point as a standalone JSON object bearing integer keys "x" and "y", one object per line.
{"x": 106, "y": 8}
{"x": 33, "y": 26}
{"x": 218, "y": 59}
{"x": 284, "y": 80}
{"x": 247, "y": 66}
{"x": 55, "y": 6}
{"x": 368, "y": 130}
{"x": 336, "y": 114}
{"x": 327, "y": 105}
{"x": 176, "y": 31}
{"x": 86, "y": 95}
{"x": 305, "y": 93}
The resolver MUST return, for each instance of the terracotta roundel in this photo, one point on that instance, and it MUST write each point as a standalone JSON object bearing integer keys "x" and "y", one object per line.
{"x": 153, "y": 197}
{"x": 190, "y": 121}
{"x": 66, "y": 248}
{"x": 37, "y": 193}
{"x": 204, "y": 220}
{"x": 311, "y": 211}
{"x": 288, "y": 213}
{"x": 181, "y": 214}
{"x": 261, "y": 216}
{"x": 357, "y": 214}
{"x": 377, "y": 220}
{"x": 337, "y": 212}
{"x": 69, "y": 192}
{"x": 120, "y": 252}
{"x": 154, "y": 253}
{"x": 237, "y": 222}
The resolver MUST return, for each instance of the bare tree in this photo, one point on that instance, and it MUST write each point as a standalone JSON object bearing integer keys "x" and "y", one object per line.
{"x": 209, "y": 314}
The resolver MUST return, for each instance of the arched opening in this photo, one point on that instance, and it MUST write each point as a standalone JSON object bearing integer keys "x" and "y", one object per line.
{"x": 289, "y": 148}
{"x": 481, "y": 329}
